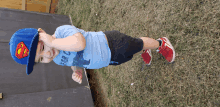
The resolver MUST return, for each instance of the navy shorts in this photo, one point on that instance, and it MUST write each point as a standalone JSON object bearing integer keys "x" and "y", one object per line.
{"x": 122, "y": 46}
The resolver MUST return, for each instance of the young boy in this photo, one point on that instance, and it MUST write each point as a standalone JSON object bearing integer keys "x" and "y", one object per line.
{"x": 70, "y": 46}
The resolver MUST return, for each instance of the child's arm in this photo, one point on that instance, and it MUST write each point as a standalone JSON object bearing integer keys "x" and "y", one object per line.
{"x": 76, "y": 68}
{"x": 76, "y": 42}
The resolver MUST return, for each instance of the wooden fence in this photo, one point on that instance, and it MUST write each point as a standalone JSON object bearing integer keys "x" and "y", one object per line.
{"x": 29, "y": 5}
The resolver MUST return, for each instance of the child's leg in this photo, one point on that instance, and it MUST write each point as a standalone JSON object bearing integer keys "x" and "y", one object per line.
{"x": 149, "y": 43}
{"x": 124, "y": 47}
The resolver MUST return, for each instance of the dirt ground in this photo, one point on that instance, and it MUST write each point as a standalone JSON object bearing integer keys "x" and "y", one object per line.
{"x": 96, "y": 91}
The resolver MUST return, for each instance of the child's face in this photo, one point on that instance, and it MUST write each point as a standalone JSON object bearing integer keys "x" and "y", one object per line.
{"x": 45, "y": 54}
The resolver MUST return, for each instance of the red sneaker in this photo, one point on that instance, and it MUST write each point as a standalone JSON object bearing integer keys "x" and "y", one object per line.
{"x": 166, "y": 49}
{"x": 147, "y": 57}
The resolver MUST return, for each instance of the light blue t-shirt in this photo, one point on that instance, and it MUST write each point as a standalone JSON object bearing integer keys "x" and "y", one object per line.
{"x": 96, "y": 54}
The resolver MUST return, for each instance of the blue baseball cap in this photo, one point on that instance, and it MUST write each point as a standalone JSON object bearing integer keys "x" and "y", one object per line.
{"x": 23, "y": 46}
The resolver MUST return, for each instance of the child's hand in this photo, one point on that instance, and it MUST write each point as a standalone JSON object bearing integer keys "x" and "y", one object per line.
{"x": 47, "y": 39}
{"x": 77, "y": 74}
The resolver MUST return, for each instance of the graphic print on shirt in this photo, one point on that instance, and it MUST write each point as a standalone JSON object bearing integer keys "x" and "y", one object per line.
{"x": 64, "y": 59}
{"x": 78, "y": 60}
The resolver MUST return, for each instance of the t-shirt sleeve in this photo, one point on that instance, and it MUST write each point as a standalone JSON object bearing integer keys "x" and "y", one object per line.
{"x": 65, "y": 30}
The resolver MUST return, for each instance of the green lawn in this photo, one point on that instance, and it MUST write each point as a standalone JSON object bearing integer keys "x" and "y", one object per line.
{"x": 193, "y": 27}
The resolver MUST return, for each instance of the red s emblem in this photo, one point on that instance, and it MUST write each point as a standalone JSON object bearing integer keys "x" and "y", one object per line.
{"x": 21, "y": 50}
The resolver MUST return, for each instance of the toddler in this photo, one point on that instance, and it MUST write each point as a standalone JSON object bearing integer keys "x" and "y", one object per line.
{"x": 70, "y": 46}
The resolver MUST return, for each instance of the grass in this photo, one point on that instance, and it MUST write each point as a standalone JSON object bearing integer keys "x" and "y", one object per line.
{"x": 193, "y": 27}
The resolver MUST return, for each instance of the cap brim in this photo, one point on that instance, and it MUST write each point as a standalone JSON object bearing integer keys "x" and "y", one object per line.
{"x": 32, "y": 54}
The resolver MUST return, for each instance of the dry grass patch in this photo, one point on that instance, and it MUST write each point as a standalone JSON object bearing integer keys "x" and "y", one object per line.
{"x": 193, "y": 27}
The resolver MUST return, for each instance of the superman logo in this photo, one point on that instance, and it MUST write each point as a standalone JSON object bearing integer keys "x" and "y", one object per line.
{"x": 21, "y": 50}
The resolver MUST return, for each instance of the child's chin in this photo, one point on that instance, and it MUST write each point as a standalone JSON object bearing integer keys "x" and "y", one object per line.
{"x": 48, "y": 61}
{"x": 51, "y": 60}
